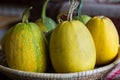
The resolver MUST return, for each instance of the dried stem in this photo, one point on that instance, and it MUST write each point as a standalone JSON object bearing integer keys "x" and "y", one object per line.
{"x": 73, "y": 6}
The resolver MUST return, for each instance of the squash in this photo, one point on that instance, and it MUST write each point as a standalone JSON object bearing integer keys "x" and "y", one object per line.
{"x": 72, "y": 47}
{"x": 25, "y": 46}
{"x": 84, "y": 18}
{"x": 106, "y": 39}
{"x": 46, "y": 24}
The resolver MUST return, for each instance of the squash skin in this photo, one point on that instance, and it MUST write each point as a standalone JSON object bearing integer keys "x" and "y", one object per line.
{"x": 25, "y": 48}
{"x": 72, "y": 48}
{"x": 46, "y": 25}
{"x": 83, "y": 18}
{"x": 105, "y": 37}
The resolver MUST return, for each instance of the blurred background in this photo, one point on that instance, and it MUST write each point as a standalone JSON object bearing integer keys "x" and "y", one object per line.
{"x": 11, "y": 10}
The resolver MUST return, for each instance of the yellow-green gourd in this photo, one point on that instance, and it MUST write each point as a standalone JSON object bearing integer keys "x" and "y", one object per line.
{"x": 25, "y": 47}
{"x": 45, "y": 23}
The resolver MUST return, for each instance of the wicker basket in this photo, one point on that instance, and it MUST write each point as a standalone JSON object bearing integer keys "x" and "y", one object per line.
{"x": 96, "y": 74}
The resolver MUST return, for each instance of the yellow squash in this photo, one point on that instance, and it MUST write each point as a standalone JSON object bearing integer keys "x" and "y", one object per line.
{"x": 72, "y": 48}
{"x": 105, "y": 37}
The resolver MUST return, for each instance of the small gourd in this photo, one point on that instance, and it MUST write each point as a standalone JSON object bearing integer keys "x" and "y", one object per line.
{"x": 84, "y": 18}
{"x": 46, "y": 24}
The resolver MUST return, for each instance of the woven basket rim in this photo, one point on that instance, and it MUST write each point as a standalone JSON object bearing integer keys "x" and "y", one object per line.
{"x": 57, "y": 75}
{"x": 100, "y": 70}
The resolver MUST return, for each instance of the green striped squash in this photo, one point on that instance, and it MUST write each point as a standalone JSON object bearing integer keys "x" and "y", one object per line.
{"x": 25, "y": 48}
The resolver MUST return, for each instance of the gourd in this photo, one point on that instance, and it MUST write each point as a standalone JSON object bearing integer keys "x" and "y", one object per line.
{"x": 84, "y": 18}
{"x": 46, "y": 24}
{"x": 25, "y": 46}
{"x": 72, "y": 47}
{"x": 105, "y": 37}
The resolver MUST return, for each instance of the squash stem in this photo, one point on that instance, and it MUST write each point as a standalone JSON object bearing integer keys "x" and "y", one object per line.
{"x": 73, "y": 6}
{"x": 44, "y": 10}
{"x": 26, "y": 15}
{"x": 80, "y": 7}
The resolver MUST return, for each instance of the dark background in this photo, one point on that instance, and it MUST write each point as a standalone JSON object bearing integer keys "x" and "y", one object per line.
{"x": 53, "y": 7}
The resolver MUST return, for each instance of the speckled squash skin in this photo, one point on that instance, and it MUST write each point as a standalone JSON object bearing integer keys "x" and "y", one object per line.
{"x": 25, "y": 48}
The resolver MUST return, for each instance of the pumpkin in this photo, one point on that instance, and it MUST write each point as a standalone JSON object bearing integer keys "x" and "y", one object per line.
{"x": 25, "y": 46}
